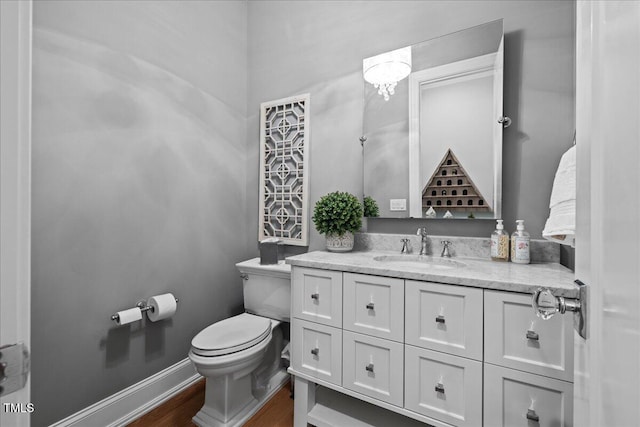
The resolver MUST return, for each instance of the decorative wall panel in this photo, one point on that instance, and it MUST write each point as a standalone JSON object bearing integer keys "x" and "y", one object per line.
{"x": 284, "y": 171}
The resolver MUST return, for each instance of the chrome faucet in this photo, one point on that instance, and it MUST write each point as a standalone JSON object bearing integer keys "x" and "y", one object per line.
{"x": 445, "y": 249}
{"x": 422, "y": 232}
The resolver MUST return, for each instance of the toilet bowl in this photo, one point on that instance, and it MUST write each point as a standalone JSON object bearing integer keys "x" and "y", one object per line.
{"x": 231, "y": 345}
{"x": 240, "y": 356}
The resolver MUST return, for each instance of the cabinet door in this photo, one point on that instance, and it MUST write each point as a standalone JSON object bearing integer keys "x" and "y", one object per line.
{"x": 317, "y": 295}
{"x": 317, "y": 350}
{"x": 373, "y": 366}
{"x": 516, "y": 338}
{"x": 374, "y": 305}
{"x": 445, "y": 387}
{"x": 515, "y": 398}
{"x": 445, "y": 318}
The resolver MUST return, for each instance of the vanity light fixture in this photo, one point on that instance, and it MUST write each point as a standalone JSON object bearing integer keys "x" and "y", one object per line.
{"x": 384, "y": 71}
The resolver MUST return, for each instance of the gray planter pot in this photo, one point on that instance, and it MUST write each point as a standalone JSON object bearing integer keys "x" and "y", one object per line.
{"x": 342, "y": 243}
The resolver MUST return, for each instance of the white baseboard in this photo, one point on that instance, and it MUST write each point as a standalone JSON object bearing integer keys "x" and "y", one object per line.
{"x": 129, "y": 404}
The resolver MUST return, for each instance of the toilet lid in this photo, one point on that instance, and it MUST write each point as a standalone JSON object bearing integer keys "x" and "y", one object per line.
{"x": 231, "y": 335}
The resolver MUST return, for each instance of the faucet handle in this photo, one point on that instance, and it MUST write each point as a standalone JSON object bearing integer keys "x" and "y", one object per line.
{"x": 405, "y": 248}
{"x": 445, "y": 248}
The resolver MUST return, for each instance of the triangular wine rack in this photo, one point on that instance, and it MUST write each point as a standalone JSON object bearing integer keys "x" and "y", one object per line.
{"x": 451, "y": 188}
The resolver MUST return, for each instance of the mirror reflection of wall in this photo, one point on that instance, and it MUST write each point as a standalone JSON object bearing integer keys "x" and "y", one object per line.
{"x": 441, "y": 106}
{"x": 456, "y": 115}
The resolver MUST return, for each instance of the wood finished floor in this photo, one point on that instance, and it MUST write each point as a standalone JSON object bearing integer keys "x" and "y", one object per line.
{"x": 178, "y": 411}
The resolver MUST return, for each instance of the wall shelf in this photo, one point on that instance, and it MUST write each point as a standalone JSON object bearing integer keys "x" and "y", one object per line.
{"x": 439, "y": 183}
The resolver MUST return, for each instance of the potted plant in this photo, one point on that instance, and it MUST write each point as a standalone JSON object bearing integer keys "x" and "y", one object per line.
{"x": 338, "y": 215}
{"x": 370, "y": 207}
{"x": 370, "y": 210}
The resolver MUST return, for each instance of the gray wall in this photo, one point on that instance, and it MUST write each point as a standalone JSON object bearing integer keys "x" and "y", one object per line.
{"x": 138, "y": 187}
{"x": 318, "y": 47}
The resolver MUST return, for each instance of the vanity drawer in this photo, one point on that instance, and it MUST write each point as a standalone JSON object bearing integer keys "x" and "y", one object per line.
{"x": 317, "y": 350}
{"x": 515, "y": 398}
{"x": 516, "y": 338}
{"x": 442, "y": 386}
{"x": 444, "y": 318}
{"x": 317, "y": 295}
{"x": 373, "y": 366}
{"x": 374, "y": 305}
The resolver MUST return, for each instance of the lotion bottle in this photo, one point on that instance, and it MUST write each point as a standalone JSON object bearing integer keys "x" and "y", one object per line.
{"x": 499, "y": 243}
{"x": 520, "y": 240}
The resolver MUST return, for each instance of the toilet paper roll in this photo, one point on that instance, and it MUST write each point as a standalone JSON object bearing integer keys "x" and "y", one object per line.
{"x": 128, "y": 316}
{"x": 164, "y": 306}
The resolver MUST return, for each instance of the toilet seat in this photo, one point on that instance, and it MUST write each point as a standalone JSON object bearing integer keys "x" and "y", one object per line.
{"x": 231, "y": 335}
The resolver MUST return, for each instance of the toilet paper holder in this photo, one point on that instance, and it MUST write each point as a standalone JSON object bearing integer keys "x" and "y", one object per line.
{"x": 142, "y": 305}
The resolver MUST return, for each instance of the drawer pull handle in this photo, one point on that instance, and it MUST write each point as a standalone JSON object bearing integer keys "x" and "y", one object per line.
{"x": 440, "y": 388}
{"x": 315, "y": 351}
{"x": 369, "y": 367}
{"x": 370, "y": 306}
{"x": 440, "y": 319}
{"x": 531, "y": 335}
{"x": 531, "y": 415}
{"x": 315, "y": 296}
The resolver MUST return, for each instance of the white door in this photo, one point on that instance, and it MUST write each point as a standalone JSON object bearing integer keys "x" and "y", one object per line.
{"x": 607, "y": 364}
{"x": 15, "y": 147}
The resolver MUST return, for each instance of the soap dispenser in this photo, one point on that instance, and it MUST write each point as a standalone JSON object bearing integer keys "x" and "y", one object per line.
{"x": 520, "y": 252}
{"x": 499, "y": 243}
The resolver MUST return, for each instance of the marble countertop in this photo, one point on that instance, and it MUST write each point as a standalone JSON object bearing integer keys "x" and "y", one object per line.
{"x": 477, "y": 272}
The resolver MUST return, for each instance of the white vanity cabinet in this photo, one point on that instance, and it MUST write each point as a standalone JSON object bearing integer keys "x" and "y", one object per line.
{"x": 316, "y": 350}
{"x": 516, "y": 338}
{"x": 316, "y": 327}
{"x": 528, "y": 374}
{"x": 444, "y": 318}
{"x": 443, "y": 322}
{"x": 439, "y": 354}
{"x": 317, "y": 295}
{"x": 516, "y": 398}
{"x": 444, "y": 387}
{"x": 374, "y": 306}
{"x": 373, "y": 366}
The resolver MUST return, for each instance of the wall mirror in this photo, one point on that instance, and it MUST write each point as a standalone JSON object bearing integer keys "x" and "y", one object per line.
{"x": 433, "y": 145}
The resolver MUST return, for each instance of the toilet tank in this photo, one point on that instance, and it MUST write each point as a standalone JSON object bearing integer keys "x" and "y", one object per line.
{"x": 266, "y": 288}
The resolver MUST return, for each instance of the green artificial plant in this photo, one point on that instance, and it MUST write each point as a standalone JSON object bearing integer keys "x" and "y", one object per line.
{"x": 337, "y": 213}
{"x": 370, "y": 207}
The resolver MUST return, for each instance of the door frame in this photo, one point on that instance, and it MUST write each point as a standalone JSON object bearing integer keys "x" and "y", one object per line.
{"x": 15, "y": 190}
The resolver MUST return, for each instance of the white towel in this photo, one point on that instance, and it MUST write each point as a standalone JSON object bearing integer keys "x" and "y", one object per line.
{"x": 561, "y": 224}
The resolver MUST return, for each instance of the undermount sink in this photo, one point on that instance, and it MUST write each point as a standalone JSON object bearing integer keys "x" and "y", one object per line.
{"x": 420, "y": 261}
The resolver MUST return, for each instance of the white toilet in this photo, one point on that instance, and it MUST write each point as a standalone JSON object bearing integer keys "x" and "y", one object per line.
{"x": 240, "y": 357}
